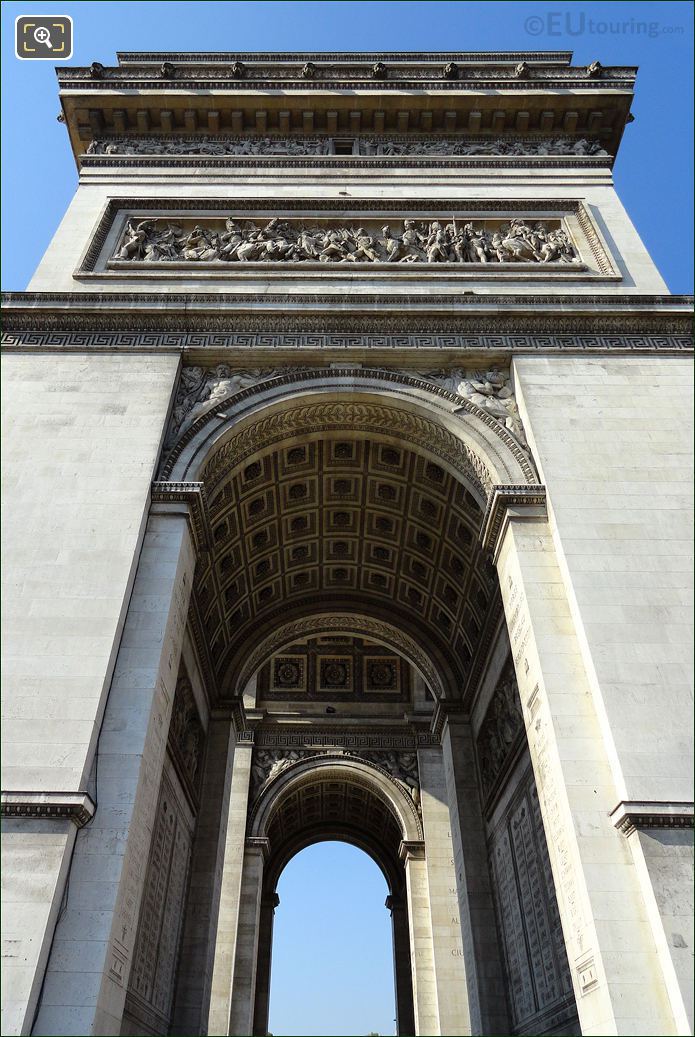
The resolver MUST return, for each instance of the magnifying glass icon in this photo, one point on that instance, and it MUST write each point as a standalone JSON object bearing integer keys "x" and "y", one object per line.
{"x": 42, "y": 35}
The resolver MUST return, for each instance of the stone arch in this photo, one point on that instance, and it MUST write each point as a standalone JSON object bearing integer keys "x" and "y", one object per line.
{"x": 346, "y": 623}
{"x": 364, "y": 805}
{"x": 469, "y": 442}
{"x": 253, "y": 430}
{"x": 335, "y": 767}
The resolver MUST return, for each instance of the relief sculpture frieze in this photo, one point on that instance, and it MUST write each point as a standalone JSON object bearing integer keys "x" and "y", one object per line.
{"x": 480, "y": 242}
{"x": 433, "y": 147}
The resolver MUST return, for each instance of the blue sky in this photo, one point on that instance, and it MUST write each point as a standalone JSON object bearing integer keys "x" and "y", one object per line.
{"x": 654, "y": 168}
{"x": 332, "y": 969}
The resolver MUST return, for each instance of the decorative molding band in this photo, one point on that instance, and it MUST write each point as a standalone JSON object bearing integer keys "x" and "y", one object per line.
{"x": 410, "y": 850}
{"x": 245, "y": 737}
{"x": 258, "y": 844}
{"x": 77, "y": 807}
{"x": 193, "y": 494}
{"x": 500, "y": 501}
{"x": 444, "y": 709}
{"x": 555, "y": 58}
{"x": 351, "y": 162}
{"x": 270, "y": 342}
{"x": 630, "y": 815}
{"x": 334, "y": 738}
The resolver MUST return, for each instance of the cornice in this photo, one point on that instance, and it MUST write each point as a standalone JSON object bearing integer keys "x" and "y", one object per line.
{"x": 205, "y": 322}
{"x": 351, "y": 162}
{"x": 37, "y": 302}
{"x": 631, "y": 815}
{"x": 343, "y": 75}
{"x": 524, "y": 500}
{"x": 555, "y": 57}
{"x": 77, "y": 807}
{"x": 513, "y": 92}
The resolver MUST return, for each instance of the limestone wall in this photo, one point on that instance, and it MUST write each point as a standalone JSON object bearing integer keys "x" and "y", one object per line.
{"x": 82, "y": 434}
{"x": 614, "y": 443}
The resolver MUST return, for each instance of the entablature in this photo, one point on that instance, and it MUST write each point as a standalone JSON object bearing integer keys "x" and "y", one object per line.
{"x": 346, "y": 96}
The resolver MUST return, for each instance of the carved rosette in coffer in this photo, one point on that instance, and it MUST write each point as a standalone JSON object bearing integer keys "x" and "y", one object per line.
{"x": 335, "y": 669}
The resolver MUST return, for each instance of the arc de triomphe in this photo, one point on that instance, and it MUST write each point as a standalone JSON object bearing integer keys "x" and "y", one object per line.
{"x": 348, "y": 438}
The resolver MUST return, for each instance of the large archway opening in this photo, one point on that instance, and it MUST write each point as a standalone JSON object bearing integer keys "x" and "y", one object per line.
{"x": 332, "y": 958}
{"x": 345, "y": 607}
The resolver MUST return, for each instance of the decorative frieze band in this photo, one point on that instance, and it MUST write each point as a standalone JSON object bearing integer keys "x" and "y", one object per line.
{"x": 273, "y": 342}
{"x": 366, "y": 146}
{"x": 329, "y": 738}
{"x": 77, "y": 807}
{"x": 630, "y": 815}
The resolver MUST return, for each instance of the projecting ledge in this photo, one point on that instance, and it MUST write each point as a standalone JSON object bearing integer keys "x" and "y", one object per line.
{"x": 72, "y": 806}
{"x": 629, "y": 815}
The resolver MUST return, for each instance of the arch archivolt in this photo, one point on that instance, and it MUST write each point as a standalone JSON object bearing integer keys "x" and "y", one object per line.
{"x": 349, "y": 624}
{"x": 345, "y": 770}
{"x": 469, "y": 442}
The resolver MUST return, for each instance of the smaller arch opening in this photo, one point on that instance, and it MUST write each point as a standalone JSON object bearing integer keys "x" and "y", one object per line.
{"x": 332, "y": 946}
{"x": 335, "y": 799}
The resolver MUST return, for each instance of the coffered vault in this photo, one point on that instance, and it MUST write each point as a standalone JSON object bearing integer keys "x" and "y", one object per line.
{"x": 355, "y": 503}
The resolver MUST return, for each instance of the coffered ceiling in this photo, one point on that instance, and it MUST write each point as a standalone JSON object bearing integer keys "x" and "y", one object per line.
{"x": 348, "y": 524}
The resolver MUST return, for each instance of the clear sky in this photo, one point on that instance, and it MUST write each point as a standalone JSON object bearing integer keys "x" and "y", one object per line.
{"x": 654, "y": 168}
{"x": 332, "y": 970}
{"x": 332, "y": 921}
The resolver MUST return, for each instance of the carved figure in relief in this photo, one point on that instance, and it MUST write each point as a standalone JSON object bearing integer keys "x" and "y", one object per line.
{"x": 283, "y": 241}
{"x": 200, "y": 389}
{"x": 186, "y": 731}
{"x": 365, "y": 146}
{"x": 499, "y": 730}
{"x": 490, "y": 390}
{"x": 268, "y": 763}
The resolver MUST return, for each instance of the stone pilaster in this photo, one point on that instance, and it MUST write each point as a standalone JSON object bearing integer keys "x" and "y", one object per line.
{"x": 618, "y": 982}
{"x": 484, "y": 971}
{"x": 261, "y": 1009}
{"x": 449, "y": 966}
{"x": 245, "y": 959}
{"x": 425, "y": 1007}
{"x": 405, "y": 1022}
{"x": 225, "y": 939}
{"x": 87, "y": 976}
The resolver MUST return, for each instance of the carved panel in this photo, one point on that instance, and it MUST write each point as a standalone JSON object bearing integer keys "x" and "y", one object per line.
{"x": 235, "y": 240}
{"x": 187, "y": 736}
{"x": 335, "y": 668}
{"x": 500, "y": 733}
{"x": 538, "y": 975}
{"x": 151, "y": 984}
{"x": 490, "y": 235}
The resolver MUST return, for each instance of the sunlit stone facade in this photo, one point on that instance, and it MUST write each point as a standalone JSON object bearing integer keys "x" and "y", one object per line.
{"x": 347, "y": 471}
